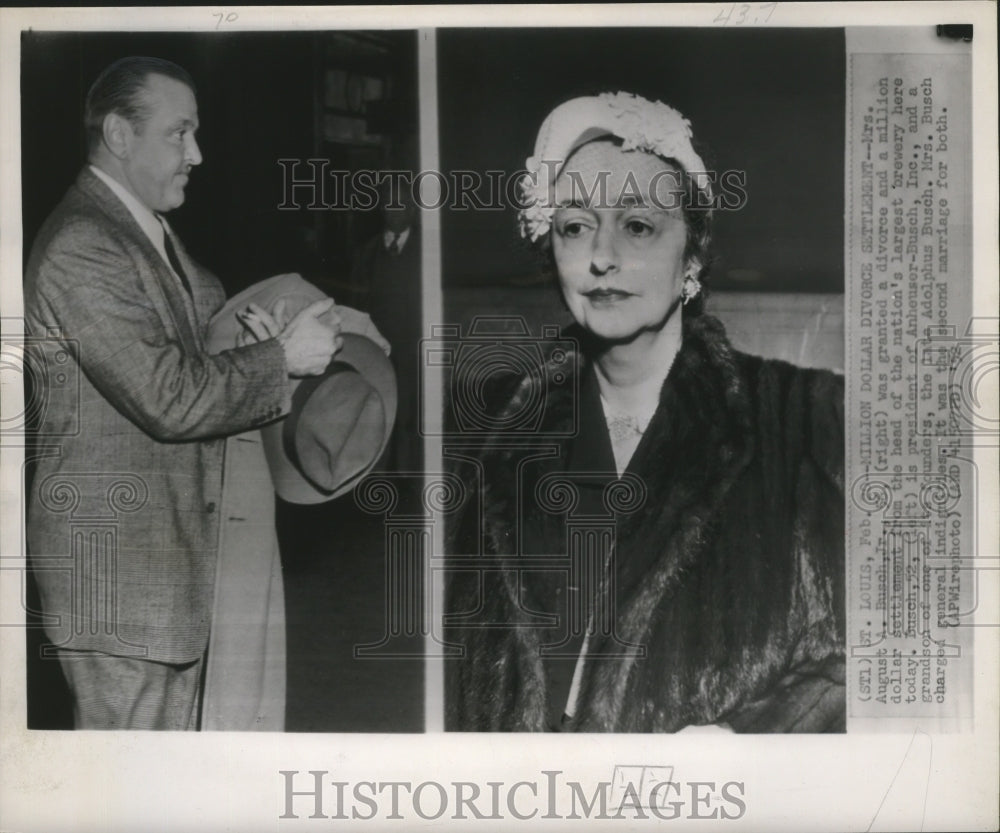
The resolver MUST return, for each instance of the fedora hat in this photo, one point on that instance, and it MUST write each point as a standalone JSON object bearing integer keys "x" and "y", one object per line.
{"x": 340, "y": 421}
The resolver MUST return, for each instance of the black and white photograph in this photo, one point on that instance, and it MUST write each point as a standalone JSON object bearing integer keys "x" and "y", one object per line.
{"x": 234, "y": 576}
{"x": 667, "y": 510}
{"x": 564, "y": 416}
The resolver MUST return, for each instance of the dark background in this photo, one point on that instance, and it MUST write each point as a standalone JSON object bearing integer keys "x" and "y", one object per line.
{"x": 260, "y": 99}
{"x": 767, "y": 101}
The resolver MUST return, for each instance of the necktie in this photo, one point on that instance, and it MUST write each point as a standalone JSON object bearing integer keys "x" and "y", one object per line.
{"x": 175, "y": 263}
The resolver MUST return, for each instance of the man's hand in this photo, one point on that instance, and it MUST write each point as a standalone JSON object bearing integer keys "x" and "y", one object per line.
{"x": 310, "y": 339}
{"x": 355, "y": 321}
{"x": 258, "y": 324}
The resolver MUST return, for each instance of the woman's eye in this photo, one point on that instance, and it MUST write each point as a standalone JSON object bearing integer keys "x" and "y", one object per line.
{"x": 638, "y": 228}
{"x": 573, "y": 228}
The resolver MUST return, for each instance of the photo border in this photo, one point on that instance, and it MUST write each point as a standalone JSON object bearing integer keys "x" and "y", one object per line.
{"x": 50, "y": 781}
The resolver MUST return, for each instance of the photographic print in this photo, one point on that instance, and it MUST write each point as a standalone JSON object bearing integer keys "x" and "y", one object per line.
{"x": 137, "y": 580}
{"x": 567, "y": 417}
{"x": 677, "y": 562}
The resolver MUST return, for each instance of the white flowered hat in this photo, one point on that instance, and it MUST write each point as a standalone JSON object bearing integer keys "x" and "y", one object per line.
{"x": 641, "y": 125}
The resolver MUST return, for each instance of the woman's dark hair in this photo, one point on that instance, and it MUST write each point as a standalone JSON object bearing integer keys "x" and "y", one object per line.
{"x": 697, "y": 219}
{"x": 121, "y": 89}
{"x": 698, "y": 247}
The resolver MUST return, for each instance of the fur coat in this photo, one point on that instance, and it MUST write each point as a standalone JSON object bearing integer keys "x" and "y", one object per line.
{"x": 722, "y": 601}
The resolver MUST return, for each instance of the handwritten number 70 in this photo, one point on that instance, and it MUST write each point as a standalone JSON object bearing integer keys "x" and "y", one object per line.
{"x": 225, "y": 17}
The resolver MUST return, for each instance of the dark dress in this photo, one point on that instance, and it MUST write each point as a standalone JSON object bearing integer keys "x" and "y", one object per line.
{"x": 710, "y": 575}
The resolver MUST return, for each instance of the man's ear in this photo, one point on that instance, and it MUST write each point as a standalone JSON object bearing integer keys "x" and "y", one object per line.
{"x": 117, "y": 132}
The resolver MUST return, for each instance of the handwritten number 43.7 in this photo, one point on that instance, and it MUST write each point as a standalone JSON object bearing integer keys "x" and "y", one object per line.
{"x": 740, "y": 14}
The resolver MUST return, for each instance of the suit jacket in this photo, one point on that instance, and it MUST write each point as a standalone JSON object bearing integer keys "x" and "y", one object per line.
{"x": 723, "y": 601}
{"x": 123, "y": 521}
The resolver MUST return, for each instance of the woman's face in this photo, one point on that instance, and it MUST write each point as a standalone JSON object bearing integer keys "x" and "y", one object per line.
{"x": 619, "y": 249}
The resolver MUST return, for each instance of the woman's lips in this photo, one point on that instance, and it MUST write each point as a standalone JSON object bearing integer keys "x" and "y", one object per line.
{"x": 606, "y": 296}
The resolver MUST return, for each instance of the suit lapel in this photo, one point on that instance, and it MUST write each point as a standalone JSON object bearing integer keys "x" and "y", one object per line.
{"x": 199, "y": 299}
{"x": 163, "y": 287}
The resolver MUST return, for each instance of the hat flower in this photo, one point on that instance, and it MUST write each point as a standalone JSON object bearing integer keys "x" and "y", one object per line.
{"x": 641, "y": 124}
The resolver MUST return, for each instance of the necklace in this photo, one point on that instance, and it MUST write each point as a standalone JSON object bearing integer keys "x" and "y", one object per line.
{"x": 623, "y": 427}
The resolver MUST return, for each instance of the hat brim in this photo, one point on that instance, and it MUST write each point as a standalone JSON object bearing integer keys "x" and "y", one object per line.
{"x": 359, "y": 355}
{"x": 301, "y": 474}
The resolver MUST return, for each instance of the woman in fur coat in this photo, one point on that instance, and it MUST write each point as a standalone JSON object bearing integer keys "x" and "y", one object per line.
{"x": 668, "y": 550}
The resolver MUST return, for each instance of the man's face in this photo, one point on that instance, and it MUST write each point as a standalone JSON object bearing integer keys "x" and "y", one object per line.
{"x": 161, "y": 152}
{"x": 398, "y": 208}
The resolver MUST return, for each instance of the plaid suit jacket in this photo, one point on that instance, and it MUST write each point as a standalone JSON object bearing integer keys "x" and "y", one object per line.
{"x": 123, "y": 516}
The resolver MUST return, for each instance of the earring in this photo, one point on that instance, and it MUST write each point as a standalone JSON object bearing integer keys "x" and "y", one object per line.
{"x": 690, "y": 289}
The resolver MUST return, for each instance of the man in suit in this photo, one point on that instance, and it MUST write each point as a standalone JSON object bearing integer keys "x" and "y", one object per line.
{"x": 123, "y": 519}
{"x": 387, "y": 271}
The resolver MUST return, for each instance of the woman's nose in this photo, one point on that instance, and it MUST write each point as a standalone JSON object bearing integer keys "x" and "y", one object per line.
{"x": 604, "y": 257}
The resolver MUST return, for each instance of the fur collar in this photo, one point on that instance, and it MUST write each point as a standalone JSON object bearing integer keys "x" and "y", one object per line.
{"x": 694, "y": 449}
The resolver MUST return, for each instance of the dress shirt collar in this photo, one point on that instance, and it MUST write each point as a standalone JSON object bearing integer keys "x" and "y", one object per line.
{"x": 147, "y": 220}
{"x": 388, "y": 237}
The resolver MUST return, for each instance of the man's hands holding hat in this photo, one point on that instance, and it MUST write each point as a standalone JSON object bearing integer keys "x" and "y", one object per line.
{"x": 309, "y": 340}
{"x": 259, "y": 325}
{"x": 340, "y": 418}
